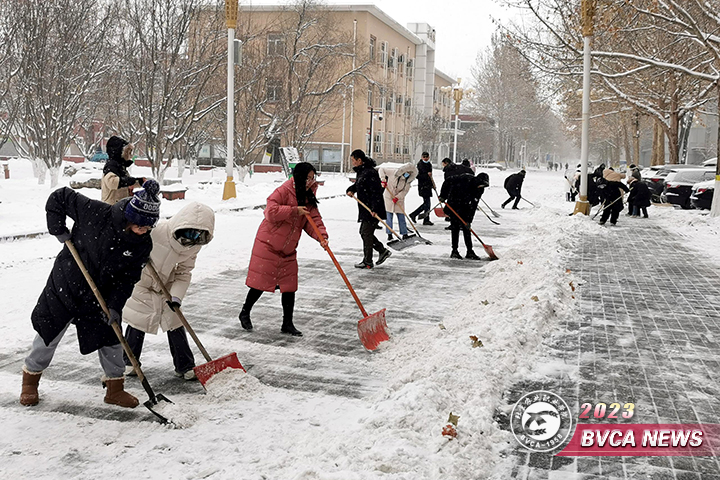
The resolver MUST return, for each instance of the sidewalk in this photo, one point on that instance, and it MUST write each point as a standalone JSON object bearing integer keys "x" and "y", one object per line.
{"x": 648, "y": 334}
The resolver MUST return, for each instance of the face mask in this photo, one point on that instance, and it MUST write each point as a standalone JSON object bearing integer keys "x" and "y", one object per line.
{"x": 426, "y": 160}
{"x": 189, "y": 236}
{"x": 406, "y": 175}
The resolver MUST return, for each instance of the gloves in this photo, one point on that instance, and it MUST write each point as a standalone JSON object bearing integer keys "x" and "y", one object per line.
{"x": 64, "y": 237}
{"x": 395, "y": 199}
{"x": 441, "y": 200}
{"x": 114, "y": 317}
{"x": 174, "y": 303}
{"x": 384, "y": 184}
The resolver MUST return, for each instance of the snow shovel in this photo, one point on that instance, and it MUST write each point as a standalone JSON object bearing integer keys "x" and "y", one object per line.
{"x": 494, "y": 213}
{"x": 488, "y": 216}
{"x": 400, "y": 243}
{"x": 488, "y": 248}
{"x": 427, "y": 242}
{"x": 205, "y": 371}
{"x": 372, "y": 329}
{"x": 531, "y": 203}
{"x": 154, "y": 399}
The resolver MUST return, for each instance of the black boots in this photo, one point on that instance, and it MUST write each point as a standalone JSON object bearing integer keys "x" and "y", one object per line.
{"x": 384, "y": 255}
{"x": 471, "y": 255}
{"x": 289, "y": 328}
{"x": 455, "y": 254}
{"x": 245, "y": 320}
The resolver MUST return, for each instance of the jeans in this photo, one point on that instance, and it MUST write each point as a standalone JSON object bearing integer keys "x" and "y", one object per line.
{"x": 41, "y": 355}
{"x": 182, "y": 356}
{"x": 401, "y": 223}
{"x": 425, "y": 207}
{"x": 370, "y": 242}
{"x": 636, "y": 211}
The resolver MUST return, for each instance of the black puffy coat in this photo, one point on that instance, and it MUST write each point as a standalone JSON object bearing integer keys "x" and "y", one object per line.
{"x": 461, "y": 192}
{"x": 369, "y": 190}
{"x": 513, "y": 183}
{"x": 425, "y": 183}
{"x": 612, "y": 191}
{"x": 113, "y": 256}
{"x": 639, "y": 194}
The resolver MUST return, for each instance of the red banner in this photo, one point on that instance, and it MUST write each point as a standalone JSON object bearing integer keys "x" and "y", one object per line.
{"x": 670, "y": 439}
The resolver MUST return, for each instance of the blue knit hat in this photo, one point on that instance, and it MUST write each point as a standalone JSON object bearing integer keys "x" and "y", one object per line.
{"x": 144, "y": 208}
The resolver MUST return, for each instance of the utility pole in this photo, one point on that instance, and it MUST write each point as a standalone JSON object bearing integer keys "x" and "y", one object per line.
{"x": 231, "y": 14}
{"x": 588, "y": 12}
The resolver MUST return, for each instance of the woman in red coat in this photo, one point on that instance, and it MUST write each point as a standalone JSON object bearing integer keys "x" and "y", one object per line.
{"x": 273, "y": 264}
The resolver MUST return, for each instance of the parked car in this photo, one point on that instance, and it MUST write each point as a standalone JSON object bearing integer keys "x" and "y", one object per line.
{"x": 655, "y": 177}
{"x": 702, "y": 194}
{"x": 679, "y": 184}
{"x": 710, "y": 163}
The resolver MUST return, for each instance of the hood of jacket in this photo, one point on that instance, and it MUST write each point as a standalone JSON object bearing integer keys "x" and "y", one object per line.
{"x": 194, "y": 215}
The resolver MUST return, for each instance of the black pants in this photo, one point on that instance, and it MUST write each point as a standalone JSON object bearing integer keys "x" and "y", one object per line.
{"x": 288, "y": 303}
{"x": 182, "y": 356}
{"x": 370, "y": 242}
{"x": 455, "y": 227}
{"x": 425, "y": 207}
{"x": 612, "y": 213}
{"x": 513, "y": 196}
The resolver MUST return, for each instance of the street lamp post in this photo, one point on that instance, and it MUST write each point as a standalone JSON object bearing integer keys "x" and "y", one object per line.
{"x": 588, "y": 12}
{"x": 458, "y": 93}
{"x": 231, "y": 14}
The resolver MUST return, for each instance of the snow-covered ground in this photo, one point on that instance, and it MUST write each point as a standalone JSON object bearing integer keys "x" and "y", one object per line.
{"x": 249, "y": 430}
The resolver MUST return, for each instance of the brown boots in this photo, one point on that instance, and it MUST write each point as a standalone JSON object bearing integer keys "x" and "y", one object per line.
{"x": 116, "y": 395}
{"x": 29, "y": 395}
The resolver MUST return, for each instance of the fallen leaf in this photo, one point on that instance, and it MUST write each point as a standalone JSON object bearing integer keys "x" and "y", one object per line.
{"x": 572, "y": 286}
{"x": 453, "y": 419}
{"x": 534, "y": 297}
{"x": 520, "y": 262}
{"x": 476, "y": 342}
{"x": 567, "y": 270}
{"x": 449, "y": 431}
{"x": 442, "y": 327}
{"x": 485, "y": 302}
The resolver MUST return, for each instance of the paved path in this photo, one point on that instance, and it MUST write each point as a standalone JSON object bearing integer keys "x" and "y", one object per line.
{"x": 649, "y": 334}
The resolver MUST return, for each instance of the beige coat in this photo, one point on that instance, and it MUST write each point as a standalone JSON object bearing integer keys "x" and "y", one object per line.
{"x": 110, "y": 192}
{"x": 146, "y": 309}
{"x": 397, "y": 185}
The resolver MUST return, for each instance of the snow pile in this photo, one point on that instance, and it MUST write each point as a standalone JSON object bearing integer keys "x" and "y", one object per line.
{"x": 177, "y": 415}
{"x": 233, "y": 384}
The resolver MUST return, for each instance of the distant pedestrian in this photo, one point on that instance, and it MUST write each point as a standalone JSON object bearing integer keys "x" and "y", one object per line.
{"x": 513, "y": 186}
{"x": 116, "y": 179}
{"x": 114, "y": 243}
{"x": 612, "y": 193}
{"x": 176, "y": 244}
{"x": 639, "y": 198}
{"x": 273, "y": 262}
{"x": 425, "y": 189}
{"x": 397, "y": 185}
{"x": 369, "y": 190}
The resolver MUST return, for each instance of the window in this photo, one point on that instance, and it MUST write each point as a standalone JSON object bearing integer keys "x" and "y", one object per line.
{"x": 384, "y": 54}
{"x": 276, "y": 44}
{"x": 390, "y": 142}
{"x": 373, "y": 41}
{"x": 274, "y": 91}
{"x": 410, "y": 67}
{"x": 398, "y": 104}
{"x": 370, "y": 97}
{"x": 380, "y": 98}
{"x": 392, "y": 62}
{"x": 389, "y": 104}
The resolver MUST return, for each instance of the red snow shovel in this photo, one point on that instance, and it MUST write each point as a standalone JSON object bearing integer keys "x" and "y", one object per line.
{"x": 372, "y": 329}
{"x": 154, "y": 399}
{"x": 205, "y": 371}
{"x": 488, "y": 248}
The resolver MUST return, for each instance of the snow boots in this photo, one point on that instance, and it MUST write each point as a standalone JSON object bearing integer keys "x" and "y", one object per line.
{"x": 289, "y": 328}
{"x": 29, "y": 395}
{"x": 384, "y": 255}
{"x": 116, "y": 394}
{"x": 455, "y": 254}
{"x": 472, "y": 256}
{"x": 245, "y": 320}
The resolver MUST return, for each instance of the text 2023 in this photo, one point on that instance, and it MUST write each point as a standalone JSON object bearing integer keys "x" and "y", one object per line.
{"x": 601, "y": 409}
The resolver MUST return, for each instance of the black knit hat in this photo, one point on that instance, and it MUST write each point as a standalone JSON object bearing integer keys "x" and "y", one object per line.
{"x": 114, "y": 147}
{"x": 144, "y": 208}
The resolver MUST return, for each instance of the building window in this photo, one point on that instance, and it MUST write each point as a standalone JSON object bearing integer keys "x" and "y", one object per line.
{"x": 380, "y": 98}
{"x": 410, "y": 68}
{"x": 276, "y": 44}
{"x": 378, "y": 142}
{"x": 373, "y": 41}
{"x": 384, "y": 54}
{"x": 274, "y": 91}
{"x": 399, "y": 104}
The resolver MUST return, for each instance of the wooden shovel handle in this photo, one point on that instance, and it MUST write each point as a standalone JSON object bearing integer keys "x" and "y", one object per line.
{"x": 465, "y": 223}
{"x": 380, "y": 219}
{"x": 337, "y": 265}
{"x": 156, "y": 276}
{"x": 115, "y": 326}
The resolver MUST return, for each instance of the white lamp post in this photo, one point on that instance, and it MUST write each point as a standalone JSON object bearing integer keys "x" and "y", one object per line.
{"x": 231, "y": 14}
{"x": 457, "y": 93}
{"x": 588, "y": 11}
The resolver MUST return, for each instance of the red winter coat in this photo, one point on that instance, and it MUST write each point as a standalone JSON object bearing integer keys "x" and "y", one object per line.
{"x": 274, "y": 256}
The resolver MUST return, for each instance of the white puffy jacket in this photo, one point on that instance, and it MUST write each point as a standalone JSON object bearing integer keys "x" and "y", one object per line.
{"x": 146, "y": 309}
{"x": 397, "y": 185}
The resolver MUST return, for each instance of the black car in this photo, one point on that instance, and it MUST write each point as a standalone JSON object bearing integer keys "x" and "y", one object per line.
{"x": 679, "y": 184}
{"x": 655, "y": 176}
{"x": 702, "y": 195}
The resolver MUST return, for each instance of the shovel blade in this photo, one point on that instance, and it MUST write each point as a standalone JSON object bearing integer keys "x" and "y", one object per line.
{"x": 403, "y": 244}
{"x": 489, "y": 251}
{"x": 439, "y": 212}
{"x": 151, "y": 404}
{"x": 372, "y": 330}
{"x": 205, "y": 371}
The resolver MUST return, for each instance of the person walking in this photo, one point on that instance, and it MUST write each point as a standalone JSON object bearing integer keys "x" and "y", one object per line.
{"x": 425, "y": 189}
{"x": 397, "y": 185}
{"x": 116, "y": 179}
{"x": 369, "y": 190}
{"x": 612, "y": 193}
{"x": 273, "y": 262}
{"x": 176, "y": 244}
{"x": 513, "y": 185}
{"x": 462, "y": 192}
{"x": 639, "y": 198}
{"x": 114, "y": 243}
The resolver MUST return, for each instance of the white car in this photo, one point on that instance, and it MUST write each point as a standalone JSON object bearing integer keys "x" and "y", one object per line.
{"x": 491, "y": 166}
